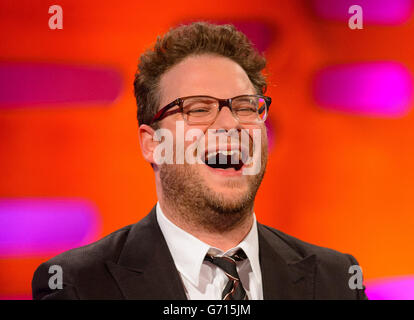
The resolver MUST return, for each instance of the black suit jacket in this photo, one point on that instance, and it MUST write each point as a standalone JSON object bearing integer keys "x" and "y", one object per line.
{"x": 135, "y": 263}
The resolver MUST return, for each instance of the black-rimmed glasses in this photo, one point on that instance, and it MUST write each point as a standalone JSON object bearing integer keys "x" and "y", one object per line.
{"x": 203, "y": 110}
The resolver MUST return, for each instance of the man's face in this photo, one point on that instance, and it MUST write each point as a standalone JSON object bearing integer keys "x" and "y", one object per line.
{"x": 199, "y": 184}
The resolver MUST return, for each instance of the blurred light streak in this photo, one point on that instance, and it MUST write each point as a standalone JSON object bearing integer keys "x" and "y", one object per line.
{"x": 392, "y": 288}
{"x": 386, "y": 12}
{"x": 31, "y": 226}
{"x": 378, "y": 89}
{"x": 47, "y": 83}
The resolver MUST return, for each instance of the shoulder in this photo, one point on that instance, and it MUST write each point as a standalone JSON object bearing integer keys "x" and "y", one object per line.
{"x": 107, "y": 248}
{"x": 332, "y": 266}
{"x": 302, "y": 248}
{"x": 83, "y": 264}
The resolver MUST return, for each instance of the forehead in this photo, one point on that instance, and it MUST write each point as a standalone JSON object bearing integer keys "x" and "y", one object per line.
{"x": 204, "y": 75}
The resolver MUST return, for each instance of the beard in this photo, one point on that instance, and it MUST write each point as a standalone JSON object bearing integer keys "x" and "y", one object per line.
{"x": 197, "y": 204}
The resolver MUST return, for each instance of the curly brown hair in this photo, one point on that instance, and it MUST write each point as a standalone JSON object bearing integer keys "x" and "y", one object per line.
{"x": 193, "y": 39}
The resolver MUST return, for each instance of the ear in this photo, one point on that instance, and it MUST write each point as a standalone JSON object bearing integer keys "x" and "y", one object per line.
{"x": 147, "y": 143}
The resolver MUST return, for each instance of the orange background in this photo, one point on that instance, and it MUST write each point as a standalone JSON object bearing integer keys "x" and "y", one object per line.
{"x": 337, "y": 180}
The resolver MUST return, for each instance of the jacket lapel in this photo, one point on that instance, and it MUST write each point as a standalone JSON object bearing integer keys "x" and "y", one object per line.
{"x": 145, "y": 268}
{"x": 285, "y": 274}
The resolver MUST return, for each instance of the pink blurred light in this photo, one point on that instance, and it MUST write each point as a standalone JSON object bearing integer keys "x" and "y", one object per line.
{"x": 258, "y": 32}
{"x": 378, "y": 89}
{"x": 34, "y": 226}
{"x": 393, "y": 288}
{"x": 386, "y": 12}
{"x": 44, "y": 83}
{"x": 270, "y": 134}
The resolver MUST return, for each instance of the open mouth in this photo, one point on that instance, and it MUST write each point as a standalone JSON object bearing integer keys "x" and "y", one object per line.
{"x": 225, "y": 159}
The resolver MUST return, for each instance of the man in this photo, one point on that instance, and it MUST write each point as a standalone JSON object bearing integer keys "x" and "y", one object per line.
{"x": 201, "y": 111}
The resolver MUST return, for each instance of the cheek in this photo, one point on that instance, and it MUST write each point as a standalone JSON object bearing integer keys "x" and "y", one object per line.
{"x": 188, "y": 144}
{"x": 194, "y": 137}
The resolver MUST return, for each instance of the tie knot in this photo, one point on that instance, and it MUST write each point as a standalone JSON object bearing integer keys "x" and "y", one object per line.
{"x": 239, "y": 255}
{"x": 234, "y": 289}
{"x": 227, "y": 263}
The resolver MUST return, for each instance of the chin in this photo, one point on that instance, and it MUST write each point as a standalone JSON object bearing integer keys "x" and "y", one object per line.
{"x": 229, "y": 189}
{"x": 229, "y": 199}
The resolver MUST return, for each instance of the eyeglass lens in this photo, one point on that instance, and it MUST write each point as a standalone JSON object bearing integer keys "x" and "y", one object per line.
{"x": 247, "y": 109}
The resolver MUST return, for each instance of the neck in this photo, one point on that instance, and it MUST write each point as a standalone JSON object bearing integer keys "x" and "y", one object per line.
{"x": 222, "y": 236}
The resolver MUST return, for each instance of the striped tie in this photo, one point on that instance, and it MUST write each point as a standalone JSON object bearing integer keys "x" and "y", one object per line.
{"x": 234, "y": 289}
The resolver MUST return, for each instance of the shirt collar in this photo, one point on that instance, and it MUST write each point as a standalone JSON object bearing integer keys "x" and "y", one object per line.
{"x": 188, "y": 252}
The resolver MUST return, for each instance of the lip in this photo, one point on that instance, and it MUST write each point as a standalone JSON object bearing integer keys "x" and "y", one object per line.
{"x": 225, "y": 172}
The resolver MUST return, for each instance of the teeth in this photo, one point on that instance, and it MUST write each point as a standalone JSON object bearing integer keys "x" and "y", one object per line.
{"x": 225, "y": 152}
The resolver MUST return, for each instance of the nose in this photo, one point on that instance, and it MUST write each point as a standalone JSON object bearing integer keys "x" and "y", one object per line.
{"x": 225, "y": 120}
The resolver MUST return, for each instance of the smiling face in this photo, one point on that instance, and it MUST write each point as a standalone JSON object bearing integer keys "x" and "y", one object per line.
{"x": 225, "y": 193}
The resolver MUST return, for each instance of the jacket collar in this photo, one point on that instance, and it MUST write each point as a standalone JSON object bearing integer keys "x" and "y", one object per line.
{"x": 146, "y": 270}
{"x": 286, "y": 274}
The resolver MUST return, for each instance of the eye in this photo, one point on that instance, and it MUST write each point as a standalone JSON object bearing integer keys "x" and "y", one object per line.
{"x": 245, "y": 109}
{"x": 198, "y": 110}
{"x": 198, "y": 106}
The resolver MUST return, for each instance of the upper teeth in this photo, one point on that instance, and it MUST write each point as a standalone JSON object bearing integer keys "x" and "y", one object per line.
{"x": 225, "y": 152}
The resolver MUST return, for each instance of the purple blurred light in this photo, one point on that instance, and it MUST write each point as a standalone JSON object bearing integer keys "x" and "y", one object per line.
{"x": 37, "y": 83}
{"x": 382, "y": 89}
{"x": 387, "y": 12}
{"x": 394, "y": 288}
{"x": 258, "y": 32}
{"x": 270, "y": 134}
{"x": 42, "y": 226}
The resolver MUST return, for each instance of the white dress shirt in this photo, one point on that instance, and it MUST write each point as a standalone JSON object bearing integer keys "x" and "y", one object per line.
{"x": 205, "y": 281}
